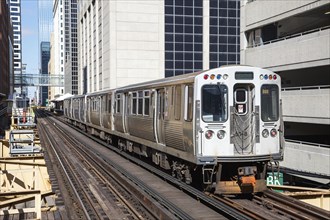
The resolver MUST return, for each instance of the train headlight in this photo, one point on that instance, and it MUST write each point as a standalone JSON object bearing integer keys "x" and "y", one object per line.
{"x": 265, "y": 133}
{"x": 209, "y": 134}
{"x": 273, "y": 132}
{"x": 221, "y": 134}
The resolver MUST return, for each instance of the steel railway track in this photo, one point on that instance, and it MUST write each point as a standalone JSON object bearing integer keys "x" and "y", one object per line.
{"x": 82, "y": 195}
{"x": 259, "y": 207}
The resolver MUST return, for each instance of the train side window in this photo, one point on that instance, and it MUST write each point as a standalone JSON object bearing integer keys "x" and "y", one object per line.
{"x": 146, "y": 102}
{"x": 177, "y": 102}
{"x": 140, "y": 102}
{"x": 118, "y": 97}
{"x": 97, "y": 104}
{"x": 188, "y": 110}
{"x": 109, "y": 103}
{"x": 134, "y": 103}
{"x": 104, "y": 103}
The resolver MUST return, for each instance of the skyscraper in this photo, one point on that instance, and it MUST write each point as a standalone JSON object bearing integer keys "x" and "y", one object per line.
{"x": 125, "y": 42}
{"x": 200, "y": 35}
{"x": 45, "y": 27}
{"x": 65, "y": 38}
{"x": 15, "y": 15}
{"x": 45, "y": 20}
{"x": 6, "y": 53}
{"x": 44, "y": 59}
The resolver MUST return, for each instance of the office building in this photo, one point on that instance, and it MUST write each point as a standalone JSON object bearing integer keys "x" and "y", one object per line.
{"x": 15, "y": 15}
{"x": 65, "y": 47}
{"x": 6, "y": 52}
{"x": 45, "y": 20}
{"x": 6, "y": 63}
{"x": 125, "y": 42}
{"x": 44, "y": 59}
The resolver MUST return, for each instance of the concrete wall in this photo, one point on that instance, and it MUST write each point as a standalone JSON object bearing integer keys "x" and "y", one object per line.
{"x": 259, "y": 13}
{"x": 307, "y": 106}
{"x": 307, "y": 158}
{"x": 129, "y": 43}
{"x": 300, "y": 52}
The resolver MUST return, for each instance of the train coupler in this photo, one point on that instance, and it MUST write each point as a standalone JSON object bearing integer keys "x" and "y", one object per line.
{"x": 245, "y": 183}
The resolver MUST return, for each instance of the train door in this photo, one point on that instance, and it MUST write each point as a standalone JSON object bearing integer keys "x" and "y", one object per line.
{"x": 160, "y": 116}
{"x": 125, "y": 111}
{"x": 244, "y": 126}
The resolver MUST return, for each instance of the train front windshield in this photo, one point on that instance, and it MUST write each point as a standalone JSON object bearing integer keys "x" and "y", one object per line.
{"x": 214, "y": 103}
{"x": 269, "y": 103}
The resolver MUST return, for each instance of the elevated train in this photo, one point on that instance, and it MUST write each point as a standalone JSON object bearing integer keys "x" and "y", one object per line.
{"x": 220, "y": 127}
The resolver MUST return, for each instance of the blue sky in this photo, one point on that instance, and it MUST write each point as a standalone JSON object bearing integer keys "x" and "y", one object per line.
{"x": 29, "y": 16}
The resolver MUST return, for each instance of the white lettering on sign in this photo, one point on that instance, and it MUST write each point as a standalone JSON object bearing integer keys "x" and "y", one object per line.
{"x": 273, "y": 180}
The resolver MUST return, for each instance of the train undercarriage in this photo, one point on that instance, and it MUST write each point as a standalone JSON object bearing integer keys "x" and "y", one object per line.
{"x": 220, "y": 178}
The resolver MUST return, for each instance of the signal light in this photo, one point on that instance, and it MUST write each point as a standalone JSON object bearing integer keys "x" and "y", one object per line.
{"x": 273, "y": 132}
{"x": 225, "y": 76}
{"x": 221, "y": 134}
{"x": 266, "y": 76}
{"x": 261, "y": 77}
{"x": 265, "y": 133}
{"x": 274, "y": 77}
{"x": 206, "y": 76}
{"x": 270, "y": 77}
{"x": 209, "y": 134}
{"x": 219, "y": 76}
{"x": 212, "y": 76}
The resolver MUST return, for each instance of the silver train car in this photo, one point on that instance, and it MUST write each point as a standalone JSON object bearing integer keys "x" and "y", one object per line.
{"x": 220, "y": 127}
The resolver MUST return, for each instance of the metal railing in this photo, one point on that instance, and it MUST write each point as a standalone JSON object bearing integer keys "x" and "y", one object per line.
{"x": 306, "y": 87}
{"x": 289, "y": 37}
{"x": 308, "y": 143}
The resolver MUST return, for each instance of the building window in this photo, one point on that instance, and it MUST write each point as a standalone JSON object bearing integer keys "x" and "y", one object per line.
{"x": 183, "y": 37}
{"x": 224, "y": 32}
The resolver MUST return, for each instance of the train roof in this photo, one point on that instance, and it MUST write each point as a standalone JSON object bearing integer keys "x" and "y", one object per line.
{"x": 184, "y": 78}
{"x": 161, "y": 82}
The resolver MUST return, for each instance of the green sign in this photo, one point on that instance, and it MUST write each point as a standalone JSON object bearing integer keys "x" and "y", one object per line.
{"x": 277, "y": 179}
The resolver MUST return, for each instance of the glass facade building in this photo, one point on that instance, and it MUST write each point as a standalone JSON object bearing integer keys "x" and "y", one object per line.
{"x": 45, "y": 20}
{"x": 44, "y": 59}
{"x": 183, "y": 36}
{"x": 185, "y": 32}
{"x": 224, "y": 32}
{"x": 126, "y": 42}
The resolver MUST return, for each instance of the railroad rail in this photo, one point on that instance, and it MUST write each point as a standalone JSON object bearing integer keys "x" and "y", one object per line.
{"x": 253, "y": 207}
{"x": 83, "y": 192}
{"x": 151, "y": 199}
{"x": 293, "y": 208}
{"x": 219, "y": 207}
